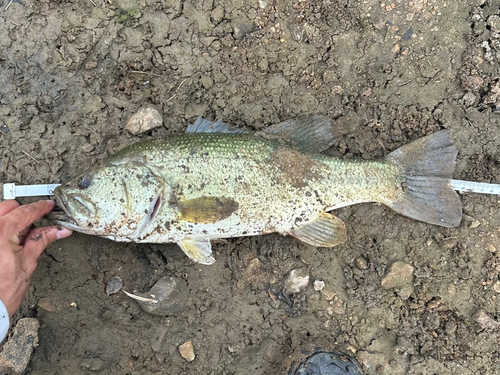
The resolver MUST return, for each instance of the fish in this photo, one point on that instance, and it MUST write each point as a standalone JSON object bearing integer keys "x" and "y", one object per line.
{"x": 216, "y": 182}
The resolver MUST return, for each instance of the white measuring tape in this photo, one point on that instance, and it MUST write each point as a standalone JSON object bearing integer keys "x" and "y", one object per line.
{"x": 11, "y": 191}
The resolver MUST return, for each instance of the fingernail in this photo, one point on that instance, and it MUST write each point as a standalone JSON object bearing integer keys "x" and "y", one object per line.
{"x": 63, "y": 233}
{"x": 50, "y": 201}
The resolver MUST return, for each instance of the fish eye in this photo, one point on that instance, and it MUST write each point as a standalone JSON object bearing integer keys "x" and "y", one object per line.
{"x": 84, "y": 182}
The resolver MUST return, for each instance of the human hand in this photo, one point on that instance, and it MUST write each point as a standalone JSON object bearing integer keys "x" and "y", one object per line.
{"x": 20, "y": 247}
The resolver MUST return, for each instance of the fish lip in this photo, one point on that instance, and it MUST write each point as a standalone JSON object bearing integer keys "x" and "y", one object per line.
{"x": 57, "y": 217}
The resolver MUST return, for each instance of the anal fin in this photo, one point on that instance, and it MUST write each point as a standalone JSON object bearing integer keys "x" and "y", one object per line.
{"x": 198, "y": 249}
{"x": 325, "y": 231}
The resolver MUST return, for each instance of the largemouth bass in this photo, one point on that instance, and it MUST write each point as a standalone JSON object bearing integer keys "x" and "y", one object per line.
{"x": 214, "y": 182}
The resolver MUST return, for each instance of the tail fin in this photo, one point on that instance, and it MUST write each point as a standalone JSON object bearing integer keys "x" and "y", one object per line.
{"x": 427, "y": 194}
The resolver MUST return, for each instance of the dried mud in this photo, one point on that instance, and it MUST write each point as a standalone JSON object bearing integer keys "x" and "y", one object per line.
{"x": 73, "y": 72}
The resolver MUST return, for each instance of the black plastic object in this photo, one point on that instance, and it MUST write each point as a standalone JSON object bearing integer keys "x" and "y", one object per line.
{"x": 328, "y": 363}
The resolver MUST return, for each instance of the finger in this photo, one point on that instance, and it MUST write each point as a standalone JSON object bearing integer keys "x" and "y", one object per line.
{"x": 7, "y": 206}
{"x": 24, "y": 216}
{"x": 39, "y": 238}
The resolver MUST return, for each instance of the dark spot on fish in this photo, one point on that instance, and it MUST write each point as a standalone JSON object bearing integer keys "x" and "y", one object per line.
{"x": 179, "y": 228}
{"x": 244, "y": 232}
{"x": 298, "y": 220}
{"x": 146, "y": 211}
{"x": 404, "y": 186}
{"x": 204, "y": 231}
{"x": 185, "y": 168}
{"x": 84, "y": 182}
{"x": 308, "y": 194}
{"x": 122, "y": 200}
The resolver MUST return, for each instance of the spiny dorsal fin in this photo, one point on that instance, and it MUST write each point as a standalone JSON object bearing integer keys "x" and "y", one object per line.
{"x": 202, "y": 125}
{"x": 205, "y": 210}
{"x": 198, "y": 249}
{"x": 309, "y": 133}
{"x": 325, "y": 231}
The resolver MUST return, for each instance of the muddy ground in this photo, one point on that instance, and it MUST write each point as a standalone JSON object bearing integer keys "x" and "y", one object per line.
{"x": 73, "y": 72}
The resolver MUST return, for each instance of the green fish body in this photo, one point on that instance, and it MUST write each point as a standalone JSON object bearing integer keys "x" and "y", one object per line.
{"x": 196, "y": 187}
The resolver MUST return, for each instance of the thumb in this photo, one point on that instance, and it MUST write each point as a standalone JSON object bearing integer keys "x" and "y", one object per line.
{"x": 38, "y": 240}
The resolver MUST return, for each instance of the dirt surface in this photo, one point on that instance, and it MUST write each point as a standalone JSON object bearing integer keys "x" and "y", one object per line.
{"x": 403, "y": 297}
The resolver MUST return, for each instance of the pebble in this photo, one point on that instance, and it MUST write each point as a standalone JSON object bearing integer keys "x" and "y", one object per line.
{"x": 144, "y": 120}
{"x": 496, "y": 286}
{"x": 296, "y": 281}
{"x": 171, "y": 294}
{"x": 399, "y": 275}
{"x": 187, "y": 352}
{"x": 87, "y": 147}
{"x": 114, "y": 285}
{"x": 328, "y": 293}
{"x": 16, "y": 352}
{"x": 318, "y": 285}
{"x": 485, "y": 321}
{"x": 494, "y": 23}
{"x": 240, "y": 29}
{"x": 361, "y": 263}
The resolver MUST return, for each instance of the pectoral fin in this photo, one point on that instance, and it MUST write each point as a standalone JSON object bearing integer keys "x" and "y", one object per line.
{"x": 205, "y": 210}
{"x": 325, "y": 231}
{"x": 198, "y": 249}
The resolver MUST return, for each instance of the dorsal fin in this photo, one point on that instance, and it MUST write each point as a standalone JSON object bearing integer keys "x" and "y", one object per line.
{"x": 308, "y": 133}
{"x": 202, "y": 125}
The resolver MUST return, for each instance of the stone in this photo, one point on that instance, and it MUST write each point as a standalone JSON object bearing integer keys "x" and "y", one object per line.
{"x": 361, "y": 263}
{"x": 114, "y": 285}
{"x": 296, "y": 281}
{"x": 319, "y": 285}
{"x": 144, "y": 120}
{"x": 242, "y": 28}
{"x": 171, "y": 294}
{"x": 485, "y": 321}
{"x": 16, "y": 352}
{"x": 494, "y": 23}
{"x": 187, "y": 352}
{"x": 399, "y": 275}
{"x": 328, "y": 293}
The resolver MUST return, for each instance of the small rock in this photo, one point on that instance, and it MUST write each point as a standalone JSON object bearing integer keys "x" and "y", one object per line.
{"x": 296, "y": 281}
{"x": 319, "y": 285}
{"x": 485, "y": 321}
{"x": 16, "y": 352}
{"x": 496, "y": 286}
{"x": 144, "y": 120}
{"x": 206, "y": 81}
{"x": 114, "y": 285}
{"x": 494, "y": 23}
{"x": 187, "y": 352}
{"x": 207, "y": 40}
{"x": 469, "y": 99}
{"x": 171, "y": 294}
{"x": 361, "y": 263}
{"x": 475, "y": 223}
{"x": 262, "y": 4}
{"x": 87, "y": 147}
{"x": 242, "y": 28}
{"x": 328, "y": 293}
{"x": 399, "y": 275}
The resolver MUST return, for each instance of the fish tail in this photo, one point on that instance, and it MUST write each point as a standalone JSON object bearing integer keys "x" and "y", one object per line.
{"x": 426, "y": 192}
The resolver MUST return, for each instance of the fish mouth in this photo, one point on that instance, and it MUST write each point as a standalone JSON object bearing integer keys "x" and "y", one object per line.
{"x": 61, "y": 214}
